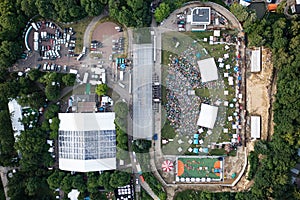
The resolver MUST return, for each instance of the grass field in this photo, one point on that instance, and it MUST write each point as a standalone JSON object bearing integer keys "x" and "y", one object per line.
{"x": 175, "y": 43}
{"x": 192, "y": 167}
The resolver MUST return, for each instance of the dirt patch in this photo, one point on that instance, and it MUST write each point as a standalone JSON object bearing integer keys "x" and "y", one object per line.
{"x": 260, "y": 91}
{"x": 105, "y": 32}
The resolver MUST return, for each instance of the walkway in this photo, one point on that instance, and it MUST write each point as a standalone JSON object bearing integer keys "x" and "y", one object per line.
{"x": 3, "y": 174}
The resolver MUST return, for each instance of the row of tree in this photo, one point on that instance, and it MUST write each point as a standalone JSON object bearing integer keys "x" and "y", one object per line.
{"x": 88, "y": 182}
{"x": 131, "y": 13}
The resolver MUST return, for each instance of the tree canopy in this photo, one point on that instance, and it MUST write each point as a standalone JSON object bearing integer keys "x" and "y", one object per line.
{"x": 121, "y": 109}
{"x": 101, "y": 89}
{"x": 162, "y": 12}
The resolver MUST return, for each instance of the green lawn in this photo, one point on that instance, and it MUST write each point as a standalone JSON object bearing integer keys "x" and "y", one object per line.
{"x": 194, "y": 40}
{"x": 167, "y": 131}
{"x": 172, "y": 147}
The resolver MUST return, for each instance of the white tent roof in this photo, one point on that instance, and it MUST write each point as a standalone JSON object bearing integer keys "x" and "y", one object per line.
{"x": 15, "y": 111}
{"x": 208, "y": 70}
{"x": 207, "y": 116}
{"x": 256, "y": 60}
{"x": 73, "y": 195}
{"x": 86, "y": 121}
{"x": 87, "y": 142}
{"x": 87, "y": 165}
{"x": 255, "y": 126}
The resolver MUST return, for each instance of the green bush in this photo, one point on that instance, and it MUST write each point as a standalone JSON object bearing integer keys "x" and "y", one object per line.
{"x": 254, "y": 163}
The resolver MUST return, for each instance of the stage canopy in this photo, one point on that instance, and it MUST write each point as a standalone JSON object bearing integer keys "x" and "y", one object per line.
{"x": 208, "y": 70}
{"x": 207, "y": 116}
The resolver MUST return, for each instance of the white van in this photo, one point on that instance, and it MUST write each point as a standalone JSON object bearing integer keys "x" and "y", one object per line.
{"x": 121, "y": 85}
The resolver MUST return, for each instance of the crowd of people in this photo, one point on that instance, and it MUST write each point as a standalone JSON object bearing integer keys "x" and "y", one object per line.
{"x": 182, "y": 109}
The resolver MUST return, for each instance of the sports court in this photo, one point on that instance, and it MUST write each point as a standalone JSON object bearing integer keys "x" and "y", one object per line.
{"x": 199, "y": 169}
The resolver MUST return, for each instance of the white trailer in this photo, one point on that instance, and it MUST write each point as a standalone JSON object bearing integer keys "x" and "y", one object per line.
{"x": 36, "y": 36}
{"x": 84, "y": 50}
{"x": 85, "y": 77}
{"x": 73, "y": 71}
{"x": 121, "y": 75}
{"x": 34, "y": 26}
{"x": 79, "y": 57}
{"x": 103, "y": 78}
{"x": 36, "y": 46}
{"x": 68, "y": 37}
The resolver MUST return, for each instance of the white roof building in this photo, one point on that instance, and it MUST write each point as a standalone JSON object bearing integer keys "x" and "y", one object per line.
{"x": 87, "y": 142}
{"x": 15, "y": 111}
{"x": 207, "y": 116}
{"x": 208, "y": 70}
{"x": 256, "y": 60}
{"x": 255, "y": 126}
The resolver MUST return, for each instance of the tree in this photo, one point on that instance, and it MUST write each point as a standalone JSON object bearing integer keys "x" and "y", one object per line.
{"x": 162, "y": 12}
{"x": 51, "y": 111}
{"x": 119, "y": 179}
{"x": 141, "y": 146}
{"x": 121, "y": 109}
{"x": 104, "y": 180}
{"x": 101, "y": 89}
{"x": 79, "y": 183}
{"x": 54, "y": 126}
{"x": 239, "y": 11}
{"x": 69, "y": 79}
{"x": 66, "y": 184}
{"x": 92, "y": 182}
{"x": 9, "y": 52}
{"x": 92, "y": 7}
{"x": 52, "y": 92}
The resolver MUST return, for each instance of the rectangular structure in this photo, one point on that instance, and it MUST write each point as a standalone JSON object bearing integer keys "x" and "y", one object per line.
{"x": 207, "y": 116}
{"x": 208, "y": 70}
{"x": 15, "y": 111}
{"x": 255, "y": 127}
{"x": 256, "y": 60}
{"x": 200, "y": 16}
{"x": 87, "y": 142}
{"x": 142, "y": 91}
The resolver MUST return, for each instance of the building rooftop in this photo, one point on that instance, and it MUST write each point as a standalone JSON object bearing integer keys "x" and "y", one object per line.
{"x": 87, "y": 141}
{"x": 142, "y": 91}
{"x": 15, "y": 111}
{"x": 200, "y": 16}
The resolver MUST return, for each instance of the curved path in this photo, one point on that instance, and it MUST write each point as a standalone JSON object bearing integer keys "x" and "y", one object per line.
{"x": 89, "y": 28}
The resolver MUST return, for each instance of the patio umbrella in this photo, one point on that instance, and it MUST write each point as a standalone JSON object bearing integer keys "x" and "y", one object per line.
{"x": 167, "y": 166}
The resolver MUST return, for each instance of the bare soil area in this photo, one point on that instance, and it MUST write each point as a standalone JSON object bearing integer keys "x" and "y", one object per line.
{"x": 105, "y": 32}
{"x": 260, "y": 93}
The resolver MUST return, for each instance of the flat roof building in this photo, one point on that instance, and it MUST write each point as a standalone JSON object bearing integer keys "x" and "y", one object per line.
{"x": 142, "y": 91}
{"x": 208, "y": 70}
{"x": 255, "y": 127}
{"x": 256, "y": 60}
{"x": 87, "y": 142}
{"x": 207, "y": 116}
{"x": 200, "y": 16}
{"x": 15, "y": 111}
